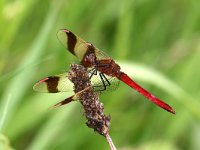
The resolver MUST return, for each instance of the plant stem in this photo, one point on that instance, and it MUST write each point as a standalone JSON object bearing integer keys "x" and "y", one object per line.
{"x": 110, "y": 142}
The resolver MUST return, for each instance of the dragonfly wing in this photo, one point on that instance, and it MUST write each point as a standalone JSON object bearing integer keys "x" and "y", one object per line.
{"x": 110, "y": 83}
{"x": 74, "y": 97}
{"x": 73, "y": 43}
{"x": 54, "y": 84}
{"x": 100, "y": 54}
{"x": 76, "y": 45}
{"x": 65, "y": 101}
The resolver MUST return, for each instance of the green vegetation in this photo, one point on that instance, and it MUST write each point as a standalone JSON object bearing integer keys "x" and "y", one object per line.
{"x": 156, "y": 42}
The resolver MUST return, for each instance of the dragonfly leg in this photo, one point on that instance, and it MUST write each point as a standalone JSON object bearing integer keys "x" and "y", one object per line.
{"x": 93, "y": 72}
{"x": 103, "y": 79}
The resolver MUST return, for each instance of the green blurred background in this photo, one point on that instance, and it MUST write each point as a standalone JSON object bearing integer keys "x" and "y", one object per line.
{"x": 156, "y": 42}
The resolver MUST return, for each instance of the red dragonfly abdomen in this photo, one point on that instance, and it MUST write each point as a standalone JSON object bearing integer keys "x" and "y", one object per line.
{"x": 126, "y": 79}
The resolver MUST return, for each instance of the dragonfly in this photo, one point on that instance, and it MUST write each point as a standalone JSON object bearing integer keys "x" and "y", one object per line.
{"x": 99, "y": 63}
{"x": 104, "y": 72}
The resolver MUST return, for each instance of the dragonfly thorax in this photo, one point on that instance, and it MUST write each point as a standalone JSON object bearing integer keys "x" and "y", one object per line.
{"x": 108, "y": 67}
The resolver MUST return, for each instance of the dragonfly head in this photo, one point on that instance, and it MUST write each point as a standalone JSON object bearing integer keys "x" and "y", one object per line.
{"x": 89, "y": 58}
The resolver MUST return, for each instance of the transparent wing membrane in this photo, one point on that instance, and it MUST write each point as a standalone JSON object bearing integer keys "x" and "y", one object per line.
{"x": 103, "y": 83}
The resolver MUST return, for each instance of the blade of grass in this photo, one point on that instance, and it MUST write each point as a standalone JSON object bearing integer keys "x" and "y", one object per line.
{"x": 4, "y": 112}
{"x": 4, "y": 143}
{"x": 35, "y": 51}
{"x": 49, "y": 131}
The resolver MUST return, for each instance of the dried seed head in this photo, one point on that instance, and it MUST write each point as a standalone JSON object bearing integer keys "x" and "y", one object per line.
{"x": 93, "y": 108}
